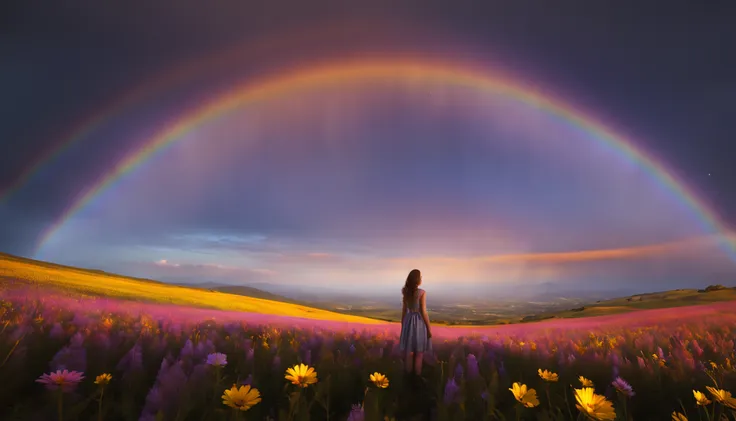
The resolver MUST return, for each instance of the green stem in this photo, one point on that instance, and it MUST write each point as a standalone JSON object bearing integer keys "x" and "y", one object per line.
{"x": 99, "y": 404}
{"x": 215, "y": 389}
{"x": 60, "y": 404}
{"x": 626, "y": 413}
{"x": 7, "y": 357}
{"x": 327, "y": 400}
{"x": 549, "y": 401}
{"x": 518, "y": 412}
{"x": 567, "y": 405}
{"x": 294, "y": 406}
{"x": 712, "y": 412}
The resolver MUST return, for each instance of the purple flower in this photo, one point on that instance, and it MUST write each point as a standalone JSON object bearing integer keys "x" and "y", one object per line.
{"x": 57, "y": 332}
{"x": 623, "y": 387}
{"x": 132, "y": 360}
{"x": 217, "y": 359}
{"x": 459, "y": 372}
{"x": 67, "y": 380}
{"x": 473, "y": 369}
{"x": 204, "y": 348}
{"x": 187, "y": 350}
{"x": 71, "y": 357}
{"x": 451, "y": 391}
{"x": 154, "y": 401}
{"x": 356, "y": 414}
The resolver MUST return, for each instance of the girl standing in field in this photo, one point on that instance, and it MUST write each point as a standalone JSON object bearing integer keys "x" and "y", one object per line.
{"x": 415, "y": 329}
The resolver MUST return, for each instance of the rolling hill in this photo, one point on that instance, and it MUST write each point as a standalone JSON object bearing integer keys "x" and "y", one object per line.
{"x": 18, "y": 271}
{"x": 246, "y": 291}
{"x": 654, "y": 300}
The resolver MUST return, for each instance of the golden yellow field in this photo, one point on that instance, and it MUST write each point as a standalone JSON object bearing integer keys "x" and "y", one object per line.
{"x": 109, "y": 285}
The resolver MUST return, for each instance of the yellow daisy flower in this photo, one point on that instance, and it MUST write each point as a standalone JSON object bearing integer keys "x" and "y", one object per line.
{"x": 103, "y": 379}
{"x": 301, "y": 375}
{"x": 243, "y": 398}
{"x": 548, "y": 375}
{"x": 701, "y": 399}
{"x": 527, "y": 397}
{"x": 585, "y": 382}
{"x": 594, "y": 406}
{"x": 723, "y": 397}
{"x": 676, "y": 416}
{"x": 380, "y": 380}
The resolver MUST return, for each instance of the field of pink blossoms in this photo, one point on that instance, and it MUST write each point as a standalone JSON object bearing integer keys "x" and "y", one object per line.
{"x": 101, "y": 359}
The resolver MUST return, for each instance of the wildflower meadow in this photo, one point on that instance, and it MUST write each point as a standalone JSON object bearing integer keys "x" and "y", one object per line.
{"x": 89, "y": 358}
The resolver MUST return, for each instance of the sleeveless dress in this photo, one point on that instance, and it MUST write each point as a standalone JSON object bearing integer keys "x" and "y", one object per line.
{"x": 414, "y": 331}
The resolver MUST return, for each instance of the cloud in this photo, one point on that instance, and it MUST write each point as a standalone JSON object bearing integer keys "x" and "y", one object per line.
{"x": 164, "y": 262}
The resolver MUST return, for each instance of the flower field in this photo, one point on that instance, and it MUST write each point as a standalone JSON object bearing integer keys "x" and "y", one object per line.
{"x": 65, "y": 357}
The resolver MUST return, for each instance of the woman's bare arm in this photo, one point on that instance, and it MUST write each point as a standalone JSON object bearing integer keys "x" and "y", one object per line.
{"x": 425, "y": 316}
{"x": 403, "y": 311}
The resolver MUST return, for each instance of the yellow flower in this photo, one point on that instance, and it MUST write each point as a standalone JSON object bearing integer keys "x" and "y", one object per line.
{"x": 700, "y": 398}
{"x": 594, "y": 406}
{"x": 242, "y": 399}
{"x": 713, "y": 365}
{"x": 528, "y": 398}
{"x": 379, "y": 380}
{"x": 585, "y": 382}
{"x": 548, "y": 375}
{"x": 723, "y": 397}
{"x": 103, "y": 379}
{"x": 301, "y": 375}
{"x": 676, "y": 416}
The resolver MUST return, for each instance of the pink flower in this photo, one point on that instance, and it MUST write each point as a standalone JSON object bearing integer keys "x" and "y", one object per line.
{"x": 67, "y": 380}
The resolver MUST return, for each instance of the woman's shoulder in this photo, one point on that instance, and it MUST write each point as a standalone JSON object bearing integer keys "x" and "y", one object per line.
{"x": 421, "y": 291}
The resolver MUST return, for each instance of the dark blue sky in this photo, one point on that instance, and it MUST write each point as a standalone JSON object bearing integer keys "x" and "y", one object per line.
{"x": 364, "y": 182}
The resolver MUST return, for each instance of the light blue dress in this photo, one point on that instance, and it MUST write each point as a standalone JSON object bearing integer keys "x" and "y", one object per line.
{"x": 414, "y": 331}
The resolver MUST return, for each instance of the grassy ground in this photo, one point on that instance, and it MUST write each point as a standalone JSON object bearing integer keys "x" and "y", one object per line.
{"x": 97, "y": 283}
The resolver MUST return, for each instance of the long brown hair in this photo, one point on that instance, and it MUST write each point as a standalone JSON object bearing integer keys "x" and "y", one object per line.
{"x": 411, "y": 285}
